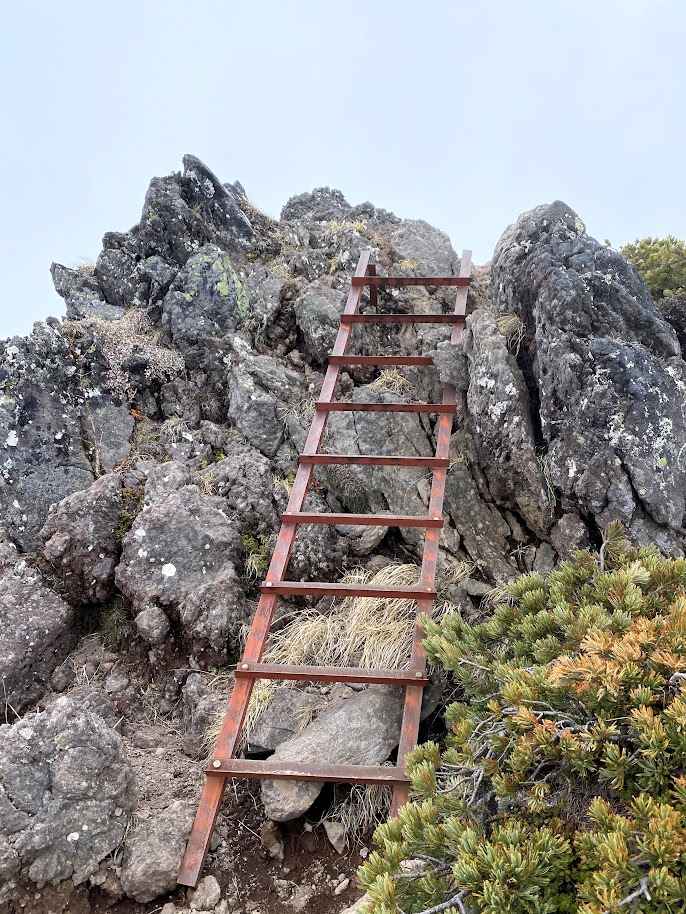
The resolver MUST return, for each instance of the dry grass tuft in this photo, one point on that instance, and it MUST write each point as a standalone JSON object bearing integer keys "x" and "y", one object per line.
{"x": 392, "y": 381}
{"x": 512, "y": 328}
{"x": 360, "y": 809}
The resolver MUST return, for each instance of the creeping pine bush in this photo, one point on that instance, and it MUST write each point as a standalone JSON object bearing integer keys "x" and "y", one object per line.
{"x": 661, "y": 263}
{"x": 562, "y": 785}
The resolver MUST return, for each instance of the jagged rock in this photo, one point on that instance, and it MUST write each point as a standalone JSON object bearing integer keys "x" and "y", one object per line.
{"x": 318, "y": 313}
{"x": 153, "y": 852}
{"x": 107, "y": 426}
{"x": 177, "y": 556}
{"x": 246, "y": 482}
{"x": 282, "y": 718}
{"x": 362, "y": 730}
{"x": 81, "y": 542}
{"x": 182, "y": 213}
{"x": 673, "y": 309}
{"x": 206, "y": 299}
{"x": 323, "y": 204}
{"x": 262, "y": 393}
{"x": 41, "y": 448}
{"x": 82, "y": 294}
{"x": 607, "y": 373}
{"x": 164, "y": 479}
{"x": 335, "y": 832}
{"x": 431, "y": 248}
{"x": 207, "y": 894}
{"x": 35, "y": 630}
{"x": 498, "y": 404}
{"x": 66, "y": 794}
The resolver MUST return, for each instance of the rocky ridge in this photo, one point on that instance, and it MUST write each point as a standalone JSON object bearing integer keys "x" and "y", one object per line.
{"x": 150, "y": 439}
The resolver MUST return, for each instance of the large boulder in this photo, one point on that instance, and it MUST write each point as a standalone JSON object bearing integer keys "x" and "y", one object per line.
{"x": 178, "y": 557}
{"x": 35, "y": 631}
{"x": 207, "y": 299}
{"x": 605, "y": 371}
{"x": 66, "y": 794}
{"x": 361, "y": 730}
{"x": 81, "y": 539}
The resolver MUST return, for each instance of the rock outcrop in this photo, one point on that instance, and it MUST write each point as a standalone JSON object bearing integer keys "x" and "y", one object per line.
{"x": 66, "y": 794}
{"x": 149, "y": 443}
{"x": 35, "y": 632}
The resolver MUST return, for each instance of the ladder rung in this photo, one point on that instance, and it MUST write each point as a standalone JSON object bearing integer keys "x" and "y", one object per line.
{"x": 330, "y": 674}
{"x": 380, "y": 360}
{"x": 410, "y": 281}
{"x": 376, "y": 460}
{"x": 402, "y": 318}
{"x": 280, "y": 770}
{"x": 366, "y": 520}
{"x": 321, "y": 589}
{"x": 351, "y": 407}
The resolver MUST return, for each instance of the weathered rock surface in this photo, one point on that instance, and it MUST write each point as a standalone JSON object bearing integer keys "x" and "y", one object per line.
{"x": 318, "y": 313}
{"x": 153, "y": 852}
{"x": 282, "y": 718}
{"x": 81, "y": 540}
{"x": 362, "y": 730}
{"x": 607, "y": 371}
{"x": 35, "y": 631}
{"x": 66, "y": 794}
{"x": 178, "y": 557}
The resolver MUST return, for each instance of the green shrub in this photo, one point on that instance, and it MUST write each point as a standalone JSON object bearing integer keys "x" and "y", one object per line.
{"x": 562, "y": 786}
{"x": 661, "y": 262}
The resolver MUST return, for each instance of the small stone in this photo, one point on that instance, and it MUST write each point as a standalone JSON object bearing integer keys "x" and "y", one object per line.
{"x": 364, "y": 852}
{"x": 152, "y": 625}
{"x": 271, "y": 840}
{"x": 207, "y": 894}
{"x": 335, "y": 832}
{"x": 222, "y": 907}
{"x": 341, "y": 887}
{"x": 116, "y": 682}
{"x": 169, "y": 908}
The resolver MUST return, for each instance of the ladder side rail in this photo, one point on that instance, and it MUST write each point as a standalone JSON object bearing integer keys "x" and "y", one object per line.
{"x": 409, "y": 729}
{"x": 213, "y": 790}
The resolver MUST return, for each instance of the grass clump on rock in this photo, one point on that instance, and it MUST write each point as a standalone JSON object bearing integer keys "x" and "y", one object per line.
{"x": 562, "y": 785}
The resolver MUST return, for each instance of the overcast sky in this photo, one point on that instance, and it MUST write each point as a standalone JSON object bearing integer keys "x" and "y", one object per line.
{"x": 461, "y": 113}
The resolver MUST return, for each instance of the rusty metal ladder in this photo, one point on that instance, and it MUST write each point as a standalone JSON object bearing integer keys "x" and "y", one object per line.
{"x": 224, "y": 765}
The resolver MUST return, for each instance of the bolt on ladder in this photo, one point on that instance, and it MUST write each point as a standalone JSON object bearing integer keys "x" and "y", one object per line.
{"x": 224, "y": 764}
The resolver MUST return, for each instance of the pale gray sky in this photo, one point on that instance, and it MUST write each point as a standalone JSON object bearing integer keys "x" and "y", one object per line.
{"x": 461, "y": 113}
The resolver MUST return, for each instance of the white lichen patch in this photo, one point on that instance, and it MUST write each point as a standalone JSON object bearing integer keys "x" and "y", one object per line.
{"x": 169, "y": 570}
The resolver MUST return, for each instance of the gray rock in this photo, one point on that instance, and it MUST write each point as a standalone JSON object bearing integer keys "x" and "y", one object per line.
{"x": 362, "y": 730}
{"x": 323, "y": 204}
{"x": 207, "y": 894}
{"x": 164, "y": 479}
{"x": 335, "y": 832}
{"x": 246, "y": 482}
{"x": 431, "y": 248}
{"x": 262, "y": 393}
{"x": 498, "y": 404}
{"x": 182, "y": 213}
{"x": 206, "y": 299}
{"x": 606, "y": 370}
{"x": 81, "y": 542}
{"x": 41, "y": 446}
{"x": 35, "y": 631}
{"x": 107, "y": 426}
{"x": 153, "y": 625}
{"x": 154, "y": 850}
{"x": 282, "y": 718}
{"x": 271, "y": 840}
{"x": 317, "y": 313}
{"x": 177, "y": 557}
{"x": 82, "y": 294}
{"x": 66, "y": 793}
